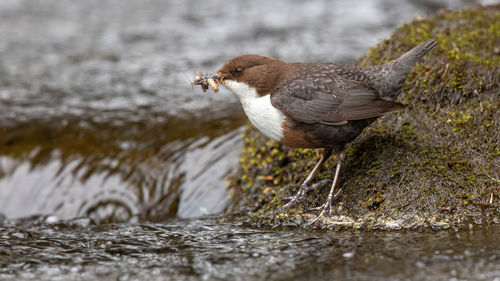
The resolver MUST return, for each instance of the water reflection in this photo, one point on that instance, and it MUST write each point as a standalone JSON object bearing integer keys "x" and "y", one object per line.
{"x": 111, "y": 171}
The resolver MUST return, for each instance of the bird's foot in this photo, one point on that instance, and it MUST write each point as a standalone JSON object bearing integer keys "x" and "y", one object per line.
{"x": 301, "y": 193}
{"x": 296, "y": 198}
{"x": 326, "y": 207}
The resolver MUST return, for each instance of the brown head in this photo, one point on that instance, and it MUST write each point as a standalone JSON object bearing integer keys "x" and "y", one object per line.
{"x": 259, "y": 72}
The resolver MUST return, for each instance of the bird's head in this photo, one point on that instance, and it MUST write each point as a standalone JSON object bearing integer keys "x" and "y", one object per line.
{"x": 251, "y": 73}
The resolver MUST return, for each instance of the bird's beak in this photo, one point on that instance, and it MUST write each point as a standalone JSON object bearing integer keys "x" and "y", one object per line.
{"x": 216, "y": 76}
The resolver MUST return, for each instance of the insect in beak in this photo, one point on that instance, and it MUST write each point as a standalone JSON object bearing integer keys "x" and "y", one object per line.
{"x": 206, "y": 81}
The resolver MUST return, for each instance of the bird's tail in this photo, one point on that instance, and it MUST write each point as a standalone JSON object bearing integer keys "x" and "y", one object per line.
{"x": 393, "y": 75}
{"x": 410, "y": 58}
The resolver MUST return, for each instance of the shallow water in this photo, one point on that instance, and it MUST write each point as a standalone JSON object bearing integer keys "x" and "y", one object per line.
{"x": 207, "y": 249}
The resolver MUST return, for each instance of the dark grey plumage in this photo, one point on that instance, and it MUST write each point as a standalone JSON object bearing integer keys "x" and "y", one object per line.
{"x": 326, "y": 93}
{"x": 333, "y": 103}
{"x": 334, "y": 94}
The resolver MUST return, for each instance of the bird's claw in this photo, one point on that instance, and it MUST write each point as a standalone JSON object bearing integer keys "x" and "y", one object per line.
{"x": 294, "y": 199}
{"x": 327, "y": 206}
{"x": 304, "y": 189}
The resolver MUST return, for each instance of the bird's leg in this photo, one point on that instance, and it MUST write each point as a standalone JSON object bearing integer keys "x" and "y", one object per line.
{"x": 305, "y": 187}
{"x": 332, "y": 196}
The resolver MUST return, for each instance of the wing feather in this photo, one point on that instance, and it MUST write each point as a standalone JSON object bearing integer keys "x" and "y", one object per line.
{"x": 330, "y": 101}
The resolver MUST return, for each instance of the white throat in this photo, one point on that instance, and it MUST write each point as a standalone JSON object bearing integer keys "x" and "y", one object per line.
{"x": 259, "y": 110}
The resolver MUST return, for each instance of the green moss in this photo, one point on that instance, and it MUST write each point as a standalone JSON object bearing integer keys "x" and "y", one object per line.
{"x": 434, "y": 163}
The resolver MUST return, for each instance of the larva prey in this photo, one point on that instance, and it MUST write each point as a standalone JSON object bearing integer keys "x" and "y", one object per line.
{"x": 213, "y": 84}
{"x": 206, "y": 81}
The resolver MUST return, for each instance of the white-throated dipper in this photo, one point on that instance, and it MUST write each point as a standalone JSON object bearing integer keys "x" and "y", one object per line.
{"x": 315, "y": 105}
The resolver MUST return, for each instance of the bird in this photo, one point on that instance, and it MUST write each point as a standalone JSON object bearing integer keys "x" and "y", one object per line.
{"x": 315, "y": 105}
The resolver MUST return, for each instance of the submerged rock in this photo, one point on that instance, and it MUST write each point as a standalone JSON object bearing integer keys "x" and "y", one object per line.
{"x": 435, "y": 163}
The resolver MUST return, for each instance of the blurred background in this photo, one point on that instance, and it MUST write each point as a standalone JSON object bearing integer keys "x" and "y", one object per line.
{"x": 97, "y": 114}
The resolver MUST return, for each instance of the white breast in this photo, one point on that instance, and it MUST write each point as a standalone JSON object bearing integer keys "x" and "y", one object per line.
{"x": 259, "y": 110}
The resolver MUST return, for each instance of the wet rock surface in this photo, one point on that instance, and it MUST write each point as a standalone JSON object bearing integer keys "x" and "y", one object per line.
{"x": 433, "y": 164}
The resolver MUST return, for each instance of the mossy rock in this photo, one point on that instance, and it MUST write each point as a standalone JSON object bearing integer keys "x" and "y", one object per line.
{"x": 435, "y": 163}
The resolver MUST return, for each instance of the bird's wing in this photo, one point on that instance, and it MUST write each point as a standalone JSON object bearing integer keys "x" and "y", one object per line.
{"x": 333, "y": 101}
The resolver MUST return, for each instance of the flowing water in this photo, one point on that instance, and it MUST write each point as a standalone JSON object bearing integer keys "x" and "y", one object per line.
{"x": 207, "y": 249}
{"x": 98, "y": 121}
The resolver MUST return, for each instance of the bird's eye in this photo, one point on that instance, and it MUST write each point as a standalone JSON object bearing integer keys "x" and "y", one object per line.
{"x": 238, "y": 69}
